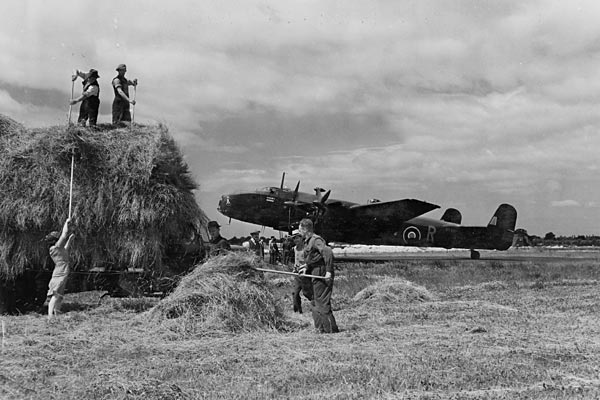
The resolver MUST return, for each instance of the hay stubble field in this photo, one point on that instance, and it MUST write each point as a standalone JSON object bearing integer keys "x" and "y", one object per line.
{"x": 412, "y": 329}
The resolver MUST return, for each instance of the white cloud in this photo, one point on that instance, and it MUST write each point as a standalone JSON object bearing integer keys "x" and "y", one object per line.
{"x": 565, "y": 203}
{"x": 498, "y": 99}
{"x": 8, "y": 105}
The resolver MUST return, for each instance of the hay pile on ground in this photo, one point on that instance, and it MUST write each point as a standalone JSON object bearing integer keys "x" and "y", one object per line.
{"x": 393, "y": 290}
{"x": 132, "y": 196}
{"x": 223, "y": 294}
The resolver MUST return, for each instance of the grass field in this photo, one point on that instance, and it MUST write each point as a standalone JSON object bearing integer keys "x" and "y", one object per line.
{"x": 426, "y": 329}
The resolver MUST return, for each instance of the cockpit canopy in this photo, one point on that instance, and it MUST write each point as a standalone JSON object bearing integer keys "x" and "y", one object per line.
{"x": 272, "y": 189}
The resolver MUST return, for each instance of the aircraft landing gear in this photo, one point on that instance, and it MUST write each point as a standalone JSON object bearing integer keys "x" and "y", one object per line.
{"x": 475, "y": 255}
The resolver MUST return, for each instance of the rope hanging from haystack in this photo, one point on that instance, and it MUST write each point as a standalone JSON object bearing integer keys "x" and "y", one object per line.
{"x": 72, "y": 152}
{"x": 71, "y": 185}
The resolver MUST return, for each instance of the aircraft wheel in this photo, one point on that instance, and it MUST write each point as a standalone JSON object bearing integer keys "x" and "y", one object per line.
{"x": 475, "y": 255}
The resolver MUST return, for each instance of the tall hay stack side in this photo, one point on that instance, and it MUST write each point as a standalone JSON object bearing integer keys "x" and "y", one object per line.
{"x": 133, "y": 202}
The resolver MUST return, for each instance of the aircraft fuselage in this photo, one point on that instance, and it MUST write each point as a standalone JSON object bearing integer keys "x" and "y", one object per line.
{"x": 282, "y": 209}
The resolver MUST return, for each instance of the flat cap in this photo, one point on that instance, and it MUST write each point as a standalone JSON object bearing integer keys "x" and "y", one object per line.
{"x": 93, "y": 72}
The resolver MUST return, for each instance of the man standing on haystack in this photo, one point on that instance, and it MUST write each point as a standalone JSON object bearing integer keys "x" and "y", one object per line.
{"x": 90, "y": 98}
{"x": 59, "y": 252}
{"x": 256, "y": 245}
{"x": 318, "y": 258}
{"x": 218, "y": 244}
{"x": 120, "y": 106}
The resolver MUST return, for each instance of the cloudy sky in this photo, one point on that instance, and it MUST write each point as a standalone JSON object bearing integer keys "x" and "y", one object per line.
{"x": 462, "y": 103}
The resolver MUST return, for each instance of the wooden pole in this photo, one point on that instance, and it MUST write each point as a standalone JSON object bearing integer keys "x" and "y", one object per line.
{"x": 70, "y": 105}
{"x": 71, "y": 186}
{"x": 289, "y": 273}
{"x": 133, "y": 107}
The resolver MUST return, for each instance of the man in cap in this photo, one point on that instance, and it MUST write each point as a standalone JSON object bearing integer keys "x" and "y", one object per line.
{"x": 120, "y": 106}
{"x": 318, "y": 258}
{"x": 60, "y": 254}
{"x": 218, "y": 244}
{"x": 301, "y": 284}
{"x": 90, "y": 98}
{"x": 256, "y": 245}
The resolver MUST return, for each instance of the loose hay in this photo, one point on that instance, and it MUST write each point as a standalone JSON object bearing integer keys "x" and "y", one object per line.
{"x": 393, "y": 290}
{"x": 132, "y": 196}
{"x": 224, "y": 294}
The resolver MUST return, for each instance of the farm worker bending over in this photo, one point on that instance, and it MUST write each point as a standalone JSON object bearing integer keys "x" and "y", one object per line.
{"x": 318, "y": 258}
{"x": 59, "y": 252}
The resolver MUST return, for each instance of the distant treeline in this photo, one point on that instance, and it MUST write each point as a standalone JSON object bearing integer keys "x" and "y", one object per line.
{"x": 550, "y": 239}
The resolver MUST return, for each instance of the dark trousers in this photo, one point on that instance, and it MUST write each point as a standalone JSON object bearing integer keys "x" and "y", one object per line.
{"x": 322, "y": 312}
{"x": 303, "y": 285}
{"x": 89, "y": 111}
{"x": 274, "y": 256}
{"x": 120, "y": 111}
{"x": 286, "y": 256}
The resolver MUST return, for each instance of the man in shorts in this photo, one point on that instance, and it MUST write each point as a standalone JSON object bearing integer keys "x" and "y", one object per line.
{"x": 59, "y": 252}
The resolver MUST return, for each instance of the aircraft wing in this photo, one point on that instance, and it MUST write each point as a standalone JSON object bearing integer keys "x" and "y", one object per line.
{"x": 397, "y": 209}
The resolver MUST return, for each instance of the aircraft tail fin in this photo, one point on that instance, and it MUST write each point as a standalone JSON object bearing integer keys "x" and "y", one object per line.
{"x": 452, "y": 215}
{"x": 504, "y": 218}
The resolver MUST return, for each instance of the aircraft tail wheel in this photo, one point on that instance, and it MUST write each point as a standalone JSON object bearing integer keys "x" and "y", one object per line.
{"x": 475, "y": 255}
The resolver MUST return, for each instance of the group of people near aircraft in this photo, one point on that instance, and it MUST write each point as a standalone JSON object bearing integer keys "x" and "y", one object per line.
{"x": 312, "y": 256}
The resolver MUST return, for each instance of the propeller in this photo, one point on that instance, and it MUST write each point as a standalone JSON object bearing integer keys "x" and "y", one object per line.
{"x": 320, "y": 203}
{"x": 296, "y": 191}
{"x": 320, "y": 207}
{"x": 293, "y": 202}
{"x": 282, "y": 180}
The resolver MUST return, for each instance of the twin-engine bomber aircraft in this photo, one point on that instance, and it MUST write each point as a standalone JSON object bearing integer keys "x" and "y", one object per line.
{"x": 396, "y": 223}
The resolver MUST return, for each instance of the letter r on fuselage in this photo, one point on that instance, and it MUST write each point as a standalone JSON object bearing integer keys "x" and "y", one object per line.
{"x": 430, "y": 233}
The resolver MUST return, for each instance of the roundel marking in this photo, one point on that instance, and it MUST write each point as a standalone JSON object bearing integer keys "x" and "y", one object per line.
{"x": 411, "y": 234}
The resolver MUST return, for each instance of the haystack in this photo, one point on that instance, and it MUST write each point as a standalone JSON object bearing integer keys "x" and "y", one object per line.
{"x": 223, "y": 294}
{"x": 133, "y": 203}
{"x": 393, "y": 290}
